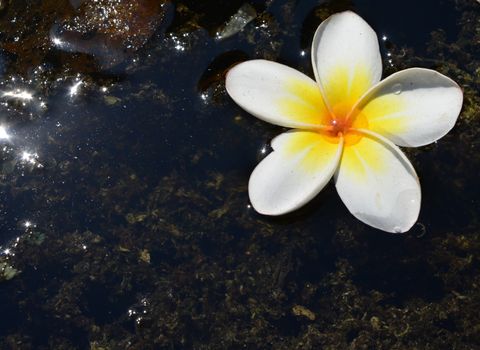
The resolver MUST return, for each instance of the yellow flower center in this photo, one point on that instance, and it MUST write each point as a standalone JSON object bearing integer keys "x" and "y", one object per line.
{"x": 342, "y": 122}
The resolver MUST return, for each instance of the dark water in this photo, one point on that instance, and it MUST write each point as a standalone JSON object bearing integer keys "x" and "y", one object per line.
{"x": 124, "y": 213}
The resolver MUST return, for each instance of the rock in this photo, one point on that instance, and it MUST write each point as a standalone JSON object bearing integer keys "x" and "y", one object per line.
{"x": 299, "y": 310}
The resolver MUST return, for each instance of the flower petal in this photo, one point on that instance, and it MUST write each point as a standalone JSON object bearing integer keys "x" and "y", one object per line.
{"x": 277, "y": 94}
{"x": 413, "y": 107}
{"x": 346, "y": 59}
{"x": 302, "y": 163}
{"x": 378, "y": 184}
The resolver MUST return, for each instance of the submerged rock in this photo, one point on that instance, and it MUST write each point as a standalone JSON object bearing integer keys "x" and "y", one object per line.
{"x": 68, "y": 33}
{"x": 108, "y": 30}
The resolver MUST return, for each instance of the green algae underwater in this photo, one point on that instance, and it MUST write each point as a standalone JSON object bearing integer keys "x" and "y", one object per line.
{"x": 124, "y": 213}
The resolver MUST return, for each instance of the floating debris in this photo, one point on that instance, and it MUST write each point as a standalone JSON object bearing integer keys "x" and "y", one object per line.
{"x": 7, "y": 272}
{"x": 237, "y": 22}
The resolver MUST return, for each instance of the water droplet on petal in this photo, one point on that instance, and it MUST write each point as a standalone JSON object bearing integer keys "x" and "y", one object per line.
{"x": 397, "y": 89}
{"x": 397, "y": 229}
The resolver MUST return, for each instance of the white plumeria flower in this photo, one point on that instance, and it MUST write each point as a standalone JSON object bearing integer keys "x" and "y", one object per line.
{"x": 347, "y": 125}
